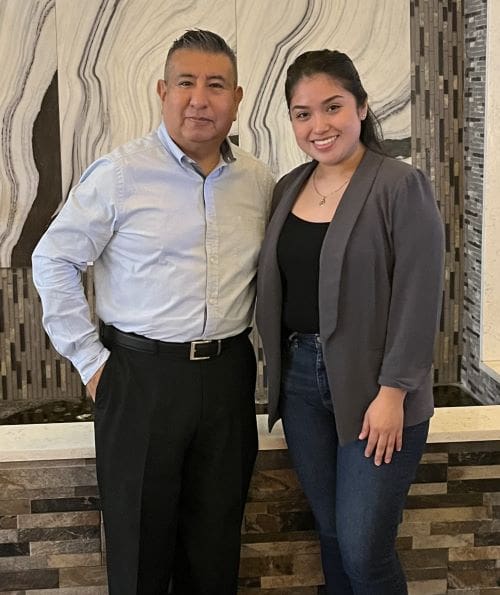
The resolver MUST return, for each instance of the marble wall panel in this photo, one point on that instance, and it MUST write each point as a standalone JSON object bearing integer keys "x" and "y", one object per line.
{"x": 94, "y": 65}
{"x": 29, "y": 153}
{"x": 271, "y": 35}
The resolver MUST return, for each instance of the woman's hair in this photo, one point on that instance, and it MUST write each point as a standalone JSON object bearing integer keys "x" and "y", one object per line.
{"x": 339, "y": 67}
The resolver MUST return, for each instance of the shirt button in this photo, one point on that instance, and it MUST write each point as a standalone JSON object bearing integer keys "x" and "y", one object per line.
{"x": 212, "y": 301}
{"x": 213, "y": 260}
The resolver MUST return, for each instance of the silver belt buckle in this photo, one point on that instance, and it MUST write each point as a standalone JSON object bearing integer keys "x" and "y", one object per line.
{"x": 192, "y": 351}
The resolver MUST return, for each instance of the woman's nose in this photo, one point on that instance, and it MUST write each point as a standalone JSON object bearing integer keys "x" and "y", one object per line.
{"x": 320, "y": 123}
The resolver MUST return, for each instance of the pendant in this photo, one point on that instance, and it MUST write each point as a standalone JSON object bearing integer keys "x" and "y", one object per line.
{"x": 322, "y": 201}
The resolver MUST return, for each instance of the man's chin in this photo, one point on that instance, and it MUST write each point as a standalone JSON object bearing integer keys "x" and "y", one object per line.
{"x": 202, "y": 137}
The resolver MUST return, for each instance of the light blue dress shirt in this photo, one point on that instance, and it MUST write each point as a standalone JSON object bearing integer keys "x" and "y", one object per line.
{"x": 174, "y": 252}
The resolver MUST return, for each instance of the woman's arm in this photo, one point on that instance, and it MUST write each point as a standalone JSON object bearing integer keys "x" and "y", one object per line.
{"x": 383, "y": 424}
{"x": 418, "y": 247}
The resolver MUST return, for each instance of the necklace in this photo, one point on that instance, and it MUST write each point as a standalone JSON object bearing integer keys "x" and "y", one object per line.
{"x": 323, "y": 197}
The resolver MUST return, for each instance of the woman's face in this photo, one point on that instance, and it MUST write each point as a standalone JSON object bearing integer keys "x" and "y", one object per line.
{"x": 326, "y": 119}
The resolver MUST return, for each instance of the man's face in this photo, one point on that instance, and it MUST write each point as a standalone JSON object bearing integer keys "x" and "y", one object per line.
{"x": 199, "y": 100}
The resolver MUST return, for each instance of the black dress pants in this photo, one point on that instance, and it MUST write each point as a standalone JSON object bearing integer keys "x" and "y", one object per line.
{"x": 176, "y": 442}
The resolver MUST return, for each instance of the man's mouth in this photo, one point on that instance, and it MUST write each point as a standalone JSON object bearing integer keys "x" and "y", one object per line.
{"x": 198, "y": 119}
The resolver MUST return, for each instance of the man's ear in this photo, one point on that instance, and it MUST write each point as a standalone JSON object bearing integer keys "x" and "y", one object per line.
{"x": 161, "y": 88}
{"x": 238, "y": 96}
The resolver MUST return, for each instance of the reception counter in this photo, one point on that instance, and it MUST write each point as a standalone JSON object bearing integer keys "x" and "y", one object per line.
{"x": 449, "y": 542}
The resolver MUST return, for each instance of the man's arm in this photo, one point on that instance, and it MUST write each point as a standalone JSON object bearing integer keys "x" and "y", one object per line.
{"x": 76, "y": 237}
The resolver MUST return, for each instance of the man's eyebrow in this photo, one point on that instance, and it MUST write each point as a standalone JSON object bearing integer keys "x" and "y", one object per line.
{"x": 218, "y": 77}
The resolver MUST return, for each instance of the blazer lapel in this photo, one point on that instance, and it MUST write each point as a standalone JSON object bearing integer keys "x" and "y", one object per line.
{"x": 288, "y": 196}
{"x": 284, "y": 206}
{"x": 337, "y": 237}
{"x": 268, "y": 275}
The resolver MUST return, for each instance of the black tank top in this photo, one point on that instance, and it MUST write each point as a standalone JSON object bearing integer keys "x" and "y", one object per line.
{"x": 298, "y": 250}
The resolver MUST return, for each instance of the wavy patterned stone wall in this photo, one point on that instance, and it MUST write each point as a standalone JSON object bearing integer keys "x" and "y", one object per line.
{"x": 79, "y": 78}
{"x": 30, "y": 187}
{"x": 82, "y": 80}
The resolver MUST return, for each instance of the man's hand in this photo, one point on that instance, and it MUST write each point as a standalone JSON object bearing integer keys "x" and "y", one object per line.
{"x": 93, "y": 382}
{"x": 383, "y": 424}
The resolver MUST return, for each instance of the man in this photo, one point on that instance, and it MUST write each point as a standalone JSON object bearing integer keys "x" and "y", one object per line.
{"x": 173, "y": 223}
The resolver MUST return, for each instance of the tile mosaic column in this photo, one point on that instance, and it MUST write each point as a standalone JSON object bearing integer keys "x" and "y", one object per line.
{"x": 476, "y": 21}
{"x": 437, "y": 148}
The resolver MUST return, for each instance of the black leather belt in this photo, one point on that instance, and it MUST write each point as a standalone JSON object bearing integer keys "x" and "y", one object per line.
{"x": 194, "y": 350}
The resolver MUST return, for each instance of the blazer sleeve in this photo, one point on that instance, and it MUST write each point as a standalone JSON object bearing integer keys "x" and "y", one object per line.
{"x": 415, "y": 305}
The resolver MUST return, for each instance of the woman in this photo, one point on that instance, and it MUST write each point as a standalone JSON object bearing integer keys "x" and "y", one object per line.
{"x": 349, "y": 290}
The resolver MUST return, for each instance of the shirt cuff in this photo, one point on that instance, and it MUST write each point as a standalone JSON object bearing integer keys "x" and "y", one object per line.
{"x": 88, "y": 367}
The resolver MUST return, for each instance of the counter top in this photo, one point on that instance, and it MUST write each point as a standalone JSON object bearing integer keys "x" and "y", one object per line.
{"x": 36, "y": 442}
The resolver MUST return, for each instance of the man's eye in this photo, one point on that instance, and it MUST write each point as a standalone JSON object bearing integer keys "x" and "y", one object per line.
{"x": 184, "y": 83}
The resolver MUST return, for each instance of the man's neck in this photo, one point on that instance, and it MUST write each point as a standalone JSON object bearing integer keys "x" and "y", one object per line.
{"x": 206, "y": 157}
{"x": 207, "y": 163}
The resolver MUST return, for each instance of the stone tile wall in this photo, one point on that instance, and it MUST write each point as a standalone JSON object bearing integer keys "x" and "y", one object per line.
{"x": 475, "y": 21}
{"x": 449, "y": 541}
{"x": 50, "y": 529}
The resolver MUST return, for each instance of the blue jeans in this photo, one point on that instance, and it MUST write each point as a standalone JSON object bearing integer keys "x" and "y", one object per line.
{"x": 356, "y": 505}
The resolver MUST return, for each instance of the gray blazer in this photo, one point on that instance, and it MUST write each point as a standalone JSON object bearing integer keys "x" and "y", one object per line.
{"x": 380, "y": 290}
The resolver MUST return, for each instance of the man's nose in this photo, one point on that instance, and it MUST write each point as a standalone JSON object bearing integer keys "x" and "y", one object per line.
{"x": 198, "y": 96}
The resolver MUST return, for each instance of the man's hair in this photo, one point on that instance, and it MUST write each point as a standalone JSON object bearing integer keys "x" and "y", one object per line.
{"x": 203, "y": 41}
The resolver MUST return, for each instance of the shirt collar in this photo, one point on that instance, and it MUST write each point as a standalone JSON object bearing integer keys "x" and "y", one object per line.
{"x": 227, "y": 155}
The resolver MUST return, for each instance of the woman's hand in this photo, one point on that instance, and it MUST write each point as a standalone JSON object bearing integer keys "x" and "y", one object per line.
{"x": 383, "y": 424}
